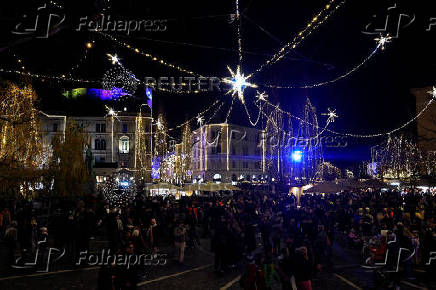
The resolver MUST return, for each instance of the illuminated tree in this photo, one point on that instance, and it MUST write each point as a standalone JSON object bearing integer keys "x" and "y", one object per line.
{"x": 142, "y": 143}
{"x": 21, "y": 151}
{"x": 71, "y": 175}
{"x": 186, "y": 151}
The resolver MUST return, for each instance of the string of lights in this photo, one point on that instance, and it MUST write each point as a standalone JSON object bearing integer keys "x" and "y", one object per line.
{"x": 254, "y": 124}
{"x": 230, "y": 109}
{"x": 342, "y": 76}
{"x": 238, "y": 30}
{"x": 62, "y": 78}
{"x": 202, "y": 113}
{"x": 82, "y": 59}
{"x": 316, "y": 21}
{"x": 148, "y": 55}
{"x": 387, "y": 133}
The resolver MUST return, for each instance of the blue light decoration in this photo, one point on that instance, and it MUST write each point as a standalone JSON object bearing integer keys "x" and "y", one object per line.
{"x": 124, "y": 184}
{"x": 149, "y": 93}
{"x": 297, "y": 156}
{"x": 106, "y": 95}
{"x": 155, "y": 168}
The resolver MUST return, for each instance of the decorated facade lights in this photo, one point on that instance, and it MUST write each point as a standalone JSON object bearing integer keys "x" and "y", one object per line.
{"x": 429, "y": 103}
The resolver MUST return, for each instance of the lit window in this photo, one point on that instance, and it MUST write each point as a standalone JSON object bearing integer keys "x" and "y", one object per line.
{"x": 124, "y": 144}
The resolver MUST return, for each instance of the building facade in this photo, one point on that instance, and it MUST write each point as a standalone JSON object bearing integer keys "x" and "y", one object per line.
{"x": 426, "y": 123}
{"x": 228, "y": 152}
{"x": 123, "y": 141}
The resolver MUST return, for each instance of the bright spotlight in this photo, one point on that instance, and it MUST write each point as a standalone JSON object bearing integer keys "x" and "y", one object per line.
{"x": 297, "y": 156}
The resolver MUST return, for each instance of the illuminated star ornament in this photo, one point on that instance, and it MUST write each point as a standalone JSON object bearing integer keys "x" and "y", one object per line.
{"x": 331, "y": 115}
{"x": 200, "y": 120}
{"x": 113, "y": 58}
{"x": 159, "y": 125}
{"x": 261, "y": 96}
{"x": 433, "y": 92}
{"x": 239, "y": 83}
{"x": 382, "y": 40}
{"x": 111, "y": 112}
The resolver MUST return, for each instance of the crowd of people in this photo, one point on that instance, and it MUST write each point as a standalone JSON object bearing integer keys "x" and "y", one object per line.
{"x": 273, "y": 238}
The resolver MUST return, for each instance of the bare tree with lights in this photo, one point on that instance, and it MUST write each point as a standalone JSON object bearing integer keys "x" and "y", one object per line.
{"x": 21, "y": 151}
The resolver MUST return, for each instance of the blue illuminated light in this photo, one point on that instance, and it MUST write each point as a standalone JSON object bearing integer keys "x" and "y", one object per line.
{"x": 297, "y": 156}
{"x": 124, "y": 183}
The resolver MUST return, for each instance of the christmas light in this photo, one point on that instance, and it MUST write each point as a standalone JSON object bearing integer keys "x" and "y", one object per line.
{"x": 342, "y": 76}
{"x": 200, "y": 120}
{"x": 433, "y": 93}
{"x": 238, "y": 82}
{"x": 315, "y": 22}
{"x": 148, "y": 55}
{"x": 113, "y": 58}
{"x": 331, "y": 115}
{"x": 382, "y": 40}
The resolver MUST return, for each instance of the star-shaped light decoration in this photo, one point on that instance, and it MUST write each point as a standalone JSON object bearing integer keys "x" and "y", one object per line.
{"x": 238, "y": 82}
{"x": 261, "y": 96}
{"x": 382, "y": 40}
{"x": 433, "y": 92}
{"x": 113, "y": 58}
{"x": 331, "y": 115}
{"x": 159, "y": 124}
{"x": 111, "y": 112}
{"x": 200, "y": 120}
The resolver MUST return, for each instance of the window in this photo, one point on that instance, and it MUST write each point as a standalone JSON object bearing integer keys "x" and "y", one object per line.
{"x": 245, "y": 151}
{"x": 124, "y": 144}
{"x": 100, "y": 144}
{"x": 245, "y": 164}
{"x": 233, "y": 150}
{"x": 124, "y": 128}
{"x": 100, "y": 128}
{"x": 259, "y": 164}
{"x": 55, "y": 127}
{"x": 233, "y": 164}
{"x": 257, "y": 152}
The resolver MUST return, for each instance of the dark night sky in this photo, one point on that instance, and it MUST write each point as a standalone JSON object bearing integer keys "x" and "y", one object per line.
{"x": 374, "y": 99}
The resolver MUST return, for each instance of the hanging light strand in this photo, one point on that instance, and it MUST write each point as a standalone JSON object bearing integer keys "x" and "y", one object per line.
{"x": 238, "y": 30}
{"x": 208, "y": 108}
{"x": 316, "y": 21}
{"x": 62, "y": 78}
{"x": 429, "y": 103}
{"x": 315, "y": 85}
{"x": 148, "y": 55}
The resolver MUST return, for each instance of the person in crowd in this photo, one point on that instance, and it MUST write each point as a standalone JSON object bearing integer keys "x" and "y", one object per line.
{"x": 180, "y": 241}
